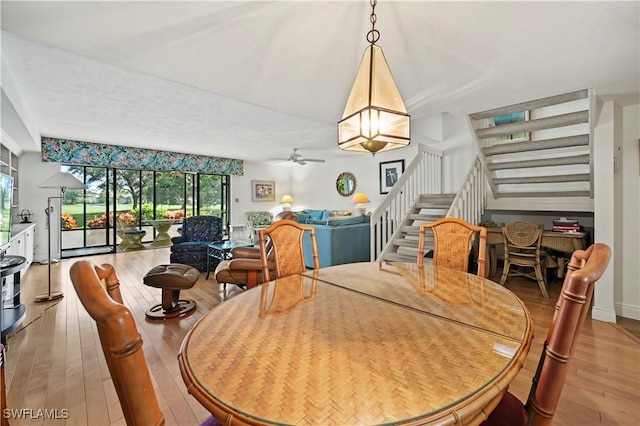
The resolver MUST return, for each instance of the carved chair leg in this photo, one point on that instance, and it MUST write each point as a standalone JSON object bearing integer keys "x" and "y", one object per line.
{"x": 252, "y": 279}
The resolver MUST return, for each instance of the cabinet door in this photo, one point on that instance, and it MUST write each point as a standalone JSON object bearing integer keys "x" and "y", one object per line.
{"x": 29, "y": 246}
{"x": 17, "y": 246}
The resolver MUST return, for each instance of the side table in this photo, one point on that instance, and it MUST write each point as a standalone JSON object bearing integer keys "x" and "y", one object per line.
{"x": 221, "y": 250}
{"x": 162, "y": 227}
{"x": 237, "y": 232}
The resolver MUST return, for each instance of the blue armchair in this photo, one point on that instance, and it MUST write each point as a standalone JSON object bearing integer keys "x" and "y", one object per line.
{"x": 190, "y": 248}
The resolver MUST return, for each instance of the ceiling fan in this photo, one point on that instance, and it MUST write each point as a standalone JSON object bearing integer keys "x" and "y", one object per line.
{"x": 298, "y": 158}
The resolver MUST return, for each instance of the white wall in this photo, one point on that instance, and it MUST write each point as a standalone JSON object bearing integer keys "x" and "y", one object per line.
{"x": 604, "y": 203}
{"x": 627, "y": 295}
{"x": 314, "y": 184}
{"x": 32, "y": 173}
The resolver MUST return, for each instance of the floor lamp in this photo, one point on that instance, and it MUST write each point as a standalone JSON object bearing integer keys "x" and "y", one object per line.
{"x": 61, "y": 181}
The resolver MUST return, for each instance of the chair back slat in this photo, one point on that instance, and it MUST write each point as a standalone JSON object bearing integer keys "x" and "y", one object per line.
{"x": 574, "y": 303}
{"x": 522, "y": 247}
{"x": 98, "y": 290}
{"x": 452, "y": 244}
{"x": 522, "y": 234}
{"x": 287, "y": 248}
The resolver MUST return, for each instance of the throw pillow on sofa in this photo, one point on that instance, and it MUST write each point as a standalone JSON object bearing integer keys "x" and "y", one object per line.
{"x": 318, "y": 214}
{"x": 346, "y": 221}
{"x": 302, "y": 217}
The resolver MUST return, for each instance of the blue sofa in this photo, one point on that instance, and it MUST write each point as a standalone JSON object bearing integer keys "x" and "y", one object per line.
{"x": 339, "y": 240}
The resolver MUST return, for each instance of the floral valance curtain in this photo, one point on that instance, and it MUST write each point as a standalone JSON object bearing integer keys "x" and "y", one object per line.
{"x": 79, "y": 153}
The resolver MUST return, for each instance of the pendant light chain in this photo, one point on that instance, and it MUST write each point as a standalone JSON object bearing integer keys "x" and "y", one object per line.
{"x": 373, "y": 35}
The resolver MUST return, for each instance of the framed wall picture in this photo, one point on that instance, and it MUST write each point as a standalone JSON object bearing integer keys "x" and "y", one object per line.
{"x": 514, "y": 117}
{"x": 263, "y": 190}
{"x": 390, "y": 172}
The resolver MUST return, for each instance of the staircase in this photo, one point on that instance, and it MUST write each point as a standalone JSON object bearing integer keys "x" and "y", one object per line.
{"x": 538, "y": 148}
{"x": 427, "y": 208}
{"x": 535, "y": 154}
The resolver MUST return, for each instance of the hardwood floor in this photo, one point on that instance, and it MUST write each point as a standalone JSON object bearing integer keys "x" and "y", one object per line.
{"x": 55, "y": 361}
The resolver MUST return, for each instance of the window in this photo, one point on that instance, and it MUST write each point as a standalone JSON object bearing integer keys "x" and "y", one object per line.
{"x": 136, "y": 197}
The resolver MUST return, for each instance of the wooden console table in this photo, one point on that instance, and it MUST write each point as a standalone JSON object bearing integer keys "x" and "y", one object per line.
{"x": 559, "y": 241}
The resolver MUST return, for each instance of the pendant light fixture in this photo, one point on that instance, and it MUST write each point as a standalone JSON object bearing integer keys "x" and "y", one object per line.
{"x": 375, "y": 119}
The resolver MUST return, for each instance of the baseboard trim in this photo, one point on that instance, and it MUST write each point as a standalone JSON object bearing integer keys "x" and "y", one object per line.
{"x": 626, "y": 332}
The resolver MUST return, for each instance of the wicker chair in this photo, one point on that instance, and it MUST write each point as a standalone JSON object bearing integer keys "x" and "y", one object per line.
{"x": 287, "y": 248}
{"x": 522, "y": 248}
{"x": 286, "y": 295}
{"x": 453, "y": 243}
{"x": 244, "y": 269}
{"x": 257, "y": 220}
{"x": 98, "y": 289}
{"x": 585, "y": 268}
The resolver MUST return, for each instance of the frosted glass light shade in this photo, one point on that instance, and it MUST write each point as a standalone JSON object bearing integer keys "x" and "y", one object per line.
{"x": 375, "y": 118}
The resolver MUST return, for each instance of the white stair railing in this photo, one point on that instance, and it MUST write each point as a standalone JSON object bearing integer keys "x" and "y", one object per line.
{"x": 471, "y": 199}
{"x": 422, "y": 176}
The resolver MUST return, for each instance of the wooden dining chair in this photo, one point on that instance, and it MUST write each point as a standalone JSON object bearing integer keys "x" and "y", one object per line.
{"x": 285, "y": 295}
{"x": 574, "y": 302}
{"x": 522, "y": 247}
{"x": 98, "y": 290}
{"x": 452, "y": 244}
{"x": 3, "y": 388}
{"x": 286, "y": 248}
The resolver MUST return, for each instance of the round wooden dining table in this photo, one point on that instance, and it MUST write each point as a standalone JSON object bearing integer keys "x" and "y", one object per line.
{"x": 364, "y": 343}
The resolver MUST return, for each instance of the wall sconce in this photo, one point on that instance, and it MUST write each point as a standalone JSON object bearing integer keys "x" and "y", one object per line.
{"x": 360, "y": 199}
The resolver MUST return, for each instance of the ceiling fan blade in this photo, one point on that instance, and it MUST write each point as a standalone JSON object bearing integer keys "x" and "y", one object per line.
{"x": 314, "y": 160}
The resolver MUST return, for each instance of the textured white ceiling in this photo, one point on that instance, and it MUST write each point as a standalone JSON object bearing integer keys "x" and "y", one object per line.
{"x": 252, "y": 80}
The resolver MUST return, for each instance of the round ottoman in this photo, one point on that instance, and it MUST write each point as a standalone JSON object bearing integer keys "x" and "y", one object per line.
{"x": 171, "y": 279}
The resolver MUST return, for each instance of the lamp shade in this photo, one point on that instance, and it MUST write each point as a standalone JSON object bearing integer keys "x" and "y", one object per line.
{"x": 360, "y": 198}
{"x": 287, "y": 199}
{"x": 63, "y": 180}
{"x": 375, "y": 118}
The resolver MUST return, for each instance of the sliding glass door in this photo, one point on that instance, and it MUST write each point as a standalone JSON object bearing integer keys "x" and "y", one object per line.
{"x": 118, "y": 198}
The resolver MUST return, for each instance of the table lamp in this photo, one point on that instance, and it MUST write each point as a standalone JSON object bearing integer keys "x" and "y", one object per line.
{"x": 286, "y": 202}
{"x": 360, "y": 199}
{"x": 61, "y": 181}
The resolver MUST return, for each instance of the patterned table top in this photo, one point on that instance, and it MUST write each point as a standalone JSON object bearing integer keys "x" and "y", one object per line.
{"x": 364, "y": 343}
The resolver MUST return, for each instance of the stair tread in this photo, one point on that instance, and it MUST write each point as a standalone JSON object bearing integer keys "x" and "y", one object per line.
{"x": 403, "y": 242}
{"x": 395, "y": 257}
{"x": 576, "y": 177}
{"x": 545, "y": 162}
{"x": 433, "y": 205}
{"x": 422, "y": 216}
{"x": 544, "y": 194}
{"x": 539, "y": 145}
